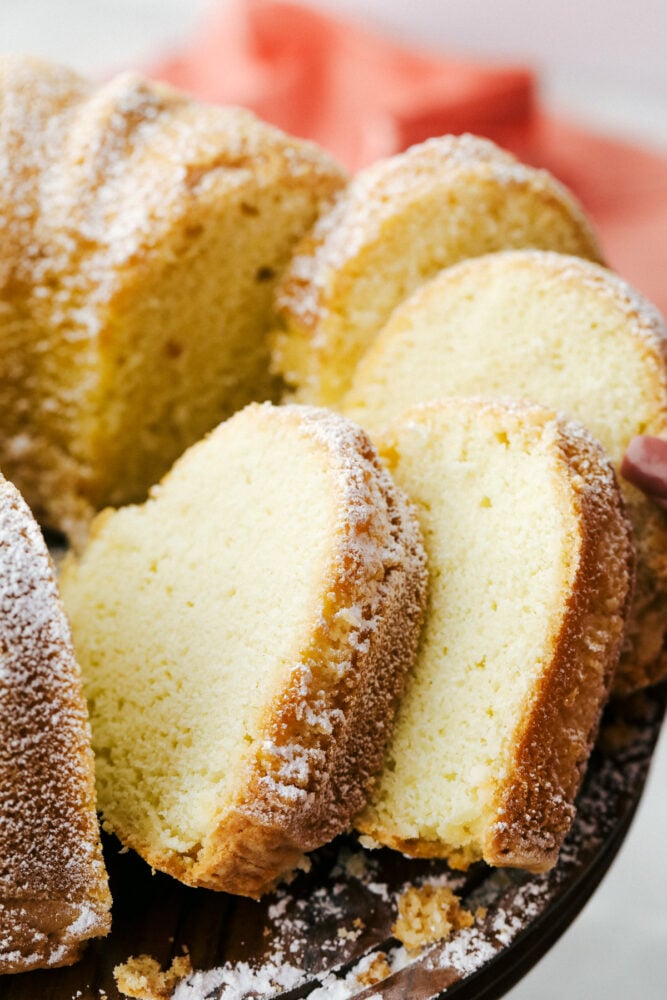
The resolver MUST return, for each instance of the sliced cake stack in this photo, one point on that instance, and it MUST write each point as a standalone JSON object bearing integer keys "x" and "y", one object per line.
{"x": 559, "y": 331}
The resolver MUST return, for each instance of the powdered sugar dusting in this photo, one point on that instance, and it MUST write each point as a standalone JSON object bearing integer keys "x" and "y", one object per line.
{"x": 382, "y": 190}
{"x": 241, "y": 981}
{"x": 78, "y": 177}
{"x": 348, "y": 964}
{"x": 48, "y": 828}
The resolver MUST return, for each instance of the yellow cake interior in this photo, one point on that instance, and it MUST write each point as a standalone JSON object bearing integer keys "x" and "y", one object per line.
{"x": 502, "y": 549}
{"x": 187, "y": 336}
{"x": 507, "y": 325}
{"x": 226, "y": 565}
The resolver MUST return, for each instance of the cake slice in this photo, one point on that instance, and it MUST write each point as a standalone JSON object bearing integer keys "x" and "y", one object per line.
{"x": 563, "y": 332}
{"x": 143, "y": 234}
{"x": 530, "y": 567}
{"x": 53, "y": 886}
{"x": 396, "y": 224}
{"x": 244, "y": 638}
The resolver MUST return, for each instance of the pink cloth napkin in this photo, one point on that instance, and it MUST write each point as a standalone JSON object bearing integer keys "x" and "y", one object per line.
{"x": 362, "y": 96}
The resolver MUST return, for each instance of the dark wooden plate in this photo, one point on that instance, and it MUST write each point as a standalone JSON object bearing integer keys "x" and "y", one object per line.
{"x": 324, "y": 928}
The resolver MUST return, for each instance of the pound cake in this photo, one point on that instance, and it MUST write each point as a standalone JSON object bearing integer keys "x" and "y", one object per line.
{"x": 396, "y": 224}
{"x": 563, "y": 332}
{"x": 244, "y": 637}
{"x": 53, "y": 886}
{"x": 143, "y": 233}
{"x": 530, "y": 566}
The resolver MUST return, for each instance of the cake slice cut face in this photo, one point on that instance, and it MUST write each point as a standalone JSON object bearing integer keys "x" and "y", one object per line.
{"x": 562, "y": 332}
{"x": 244, "y": 638}
{"x": 530, "y": 569}
{"x": 143, "y": 234}
{"x": 396, "y": 225}
{"x": 53, "y": 886}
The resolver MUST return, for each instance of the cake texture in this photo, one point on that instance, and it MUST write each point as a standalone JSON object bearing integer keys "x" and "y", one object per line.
{"x": 143, "y": 233}
{"x": 53, "y": 886}
{"x": 530, "y": 568}
{"x": 396, "y": 224}
{"x": 244, "y": 638}
{"x": 563, "y": 332}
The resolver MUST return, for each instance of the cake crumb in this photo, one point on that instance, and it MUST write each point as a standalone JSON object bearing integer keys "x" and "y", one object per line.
{"x": 378, "y": 970}
{"x": 347, "y": 934}
{"x": 142, "y": 978}
{"x": 427, "y": 914}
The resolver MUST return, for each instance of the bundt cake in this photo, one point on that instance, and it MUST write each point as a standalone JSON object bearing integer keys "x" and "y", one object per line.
{"x": 530, "y": 567}
{"x": 53, "y": 886}
{"x": 143, "y": 233}
{"x": 244, "y": 637}
{"x": 563, "y": 332}
{"x": 396, "y": 224}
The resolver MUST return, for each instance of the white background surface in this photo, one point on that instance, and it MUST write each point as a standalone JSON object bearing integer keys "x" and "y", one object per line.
{"x": 605, "y": 63}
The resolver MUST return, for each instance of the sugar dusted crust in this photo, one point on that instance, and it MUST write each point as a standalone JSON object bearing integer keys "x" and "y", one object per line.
{"x": 370, "y": 200}
{"x": 78, "y": 171}
{"x": 323, "y": 735}
{"x": 53, "y": 886}
{"x": 316, "y": 289}
{"x": 533, "y": 808}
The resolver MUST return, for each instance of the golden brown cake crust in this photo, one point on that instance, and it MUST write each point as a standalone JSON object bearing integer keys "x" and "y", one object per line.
{"x": 53, "y": 887}
{"x": 534, "y": 809}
